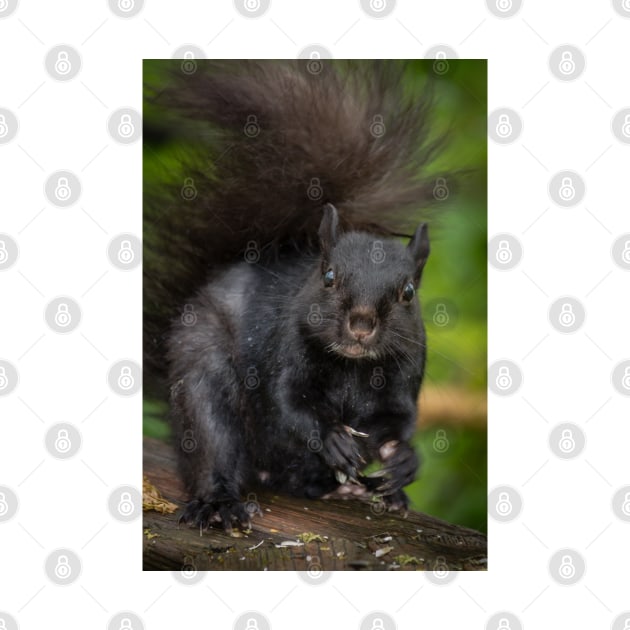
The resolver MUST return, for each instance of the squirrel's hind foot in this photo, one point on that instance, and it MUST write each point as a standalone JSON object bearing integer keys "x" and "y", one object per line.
{"x": 203, "y": 514}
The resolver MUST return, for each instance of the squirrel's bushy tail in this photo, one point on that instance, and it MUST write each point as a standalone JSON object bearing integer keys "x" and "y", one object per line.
{"x": 270, "y": 143}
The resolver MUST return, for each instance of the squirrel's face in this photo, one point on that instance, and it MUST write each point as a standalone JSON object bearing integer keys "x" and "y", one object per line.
{"x": 364, "y": 304}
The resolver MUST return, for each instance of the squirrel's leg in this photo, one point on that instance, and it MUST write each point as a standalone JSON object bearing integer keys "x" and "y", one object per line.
{"x": 209, "y": 436}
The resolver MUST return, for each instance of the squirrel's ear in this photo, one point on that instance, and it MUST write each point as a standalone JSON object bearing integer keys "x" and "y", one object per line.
{"x": 328, "y": 229}
{"x": 419, "y": 249}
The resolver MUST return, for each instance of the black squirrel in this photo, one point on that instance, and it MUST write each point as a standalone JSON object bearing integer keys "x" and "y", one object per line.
{"x": 279, "y": 297}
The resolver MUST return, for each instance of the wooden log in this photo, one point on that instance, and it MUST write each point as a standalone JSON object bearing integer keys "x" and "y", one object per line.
{"x": 302, "y": 535}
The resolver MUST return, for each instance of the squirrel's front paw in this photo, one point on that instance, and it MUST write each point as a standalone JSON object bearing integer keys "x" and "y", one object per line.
{"x": 202, "y": 514}
{"x": 342, "y": 453}
{"x": 400, "y": 467}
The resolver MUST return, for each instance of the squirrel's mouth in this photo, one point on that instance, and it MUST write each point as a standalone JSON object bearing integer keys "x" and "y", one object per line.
{"x": 353, "y": 350}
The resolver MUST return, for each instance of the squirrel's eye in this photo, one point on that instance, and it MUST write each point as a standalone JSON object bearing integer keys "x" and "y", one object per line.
{"x": 329, "y": 278}
{"x": 408, "y": 292}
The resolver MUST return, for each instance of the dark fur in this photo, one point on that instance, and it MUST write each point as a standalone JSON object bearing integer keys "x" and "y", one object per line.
{"x": 263, "y": 377}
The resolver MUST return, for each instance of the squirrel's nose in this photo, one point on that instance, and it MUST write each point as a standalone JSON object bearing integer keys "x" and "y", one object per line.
{"x": 362, "y": 323}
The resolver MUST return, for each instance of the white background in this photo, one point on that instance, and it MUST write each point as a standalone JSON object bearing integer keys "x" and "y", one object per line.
{"x": 63, "y": 252}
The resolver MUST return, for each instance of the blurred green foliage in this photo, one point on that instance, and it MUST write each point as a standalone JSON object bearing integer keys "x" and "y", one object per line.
{"x": 452, "y": 484}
